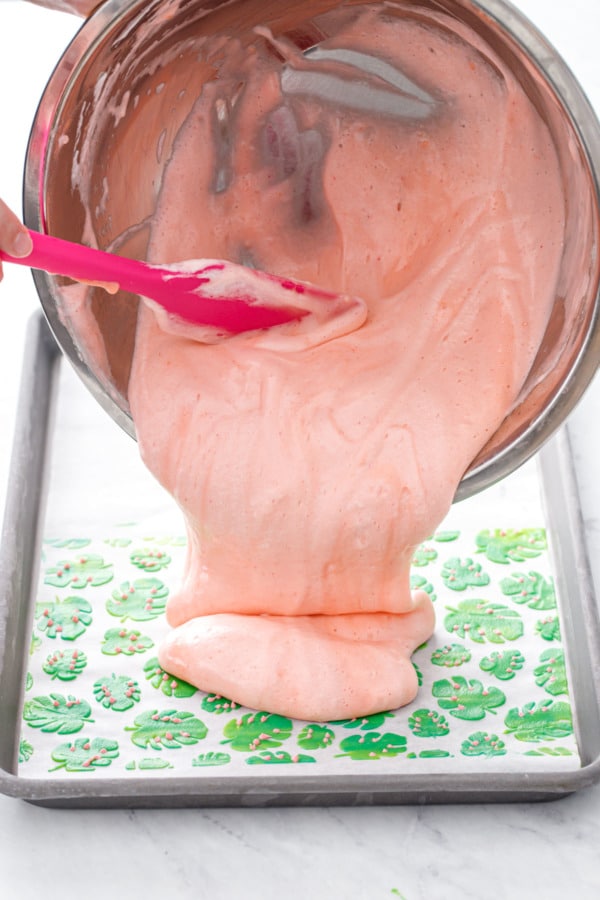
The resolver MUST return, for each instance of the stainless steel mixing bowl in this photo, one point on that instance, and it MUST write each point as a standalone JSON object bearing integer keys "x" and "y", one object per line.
{"x": 116, "y": 101}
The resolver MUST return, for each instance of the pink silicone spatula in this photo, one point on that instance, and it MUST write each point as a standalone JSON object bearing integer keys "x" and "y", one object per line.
{"x": 212, "y": 292}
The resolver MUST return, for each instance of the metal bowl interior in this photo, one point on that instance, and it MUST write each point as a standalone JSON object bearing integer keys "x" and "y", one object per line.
{"x": 116, "y": 101}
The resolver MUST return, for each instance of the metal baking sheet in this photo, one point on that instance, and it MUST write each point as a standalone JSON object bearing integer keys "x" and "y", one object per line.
{"x": 46, "y": 493}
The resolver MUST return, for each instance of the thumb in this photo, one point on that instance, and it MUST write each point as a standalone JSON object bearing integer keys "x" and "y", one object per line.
{"x": 14, "y": 237}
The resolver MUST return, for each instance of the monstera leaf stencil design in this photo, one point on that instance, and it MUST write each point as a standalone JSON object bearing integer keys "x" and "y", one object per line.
{"x": 254, "y": 731}
{"x": 214, "y": 703}
{"x": 532, "y": 590}
{"x": 278, "y": 756}
{"x": 117, "y": 692}
{"x": 467, "y": 699}
{"x": 372, "y": 745}
{"x": 503, "y": 665}
{"x": 86, "y": 571}
{"x": 57, "y": 714}
{"x": 366, "y": 723}
{"x": 66, "y": 619}
{"x": 150, "y": 559}
{"x": 424, "y": 555}
{"x": 68, "y": 543}
{"x": 549, "y": 628}
{"x": 168, "y": 684}
{"x": 451, "y": 655}
{"x": 315, "y": 737}
{"x": 459, "y": 574}
{"x": 125, "y": 641}
{"x": 65, "y": 666}
{"x": 211, "y": 758}
{"x": 85, "y": 755}
{"x": 141, "y": 601}
{"x": 551, "y": 674}
{"x": 169, "y": 729}
{"x": 544, "y": 721}
{"x": 427, "y": 723}
{"x": 483, "y": 744}
{"x": 512, "y": 546}
{"x": 481, "y": 620}
{"x": 419, "y": 583}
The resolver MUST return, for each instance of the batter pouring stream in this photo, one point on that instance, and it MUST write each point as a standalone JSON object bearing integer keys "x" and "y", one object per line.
{"x": 400, "y": 162}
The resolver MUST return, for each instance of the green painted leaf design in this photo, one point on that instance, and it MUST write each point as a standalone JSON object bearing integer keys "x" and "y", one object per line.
{"x": 168, "y": 684}
{"x": 451, "y": 655}
{"x": 532, "y": 590}
{"x": 459, "y": 574}
{"x": 429, "y": 754}
{"x": 57, "y": 714}
{"x": 424, "y": 555}
{"x": 151, "y": 764}
{"x": 482, "y": 743}
{"x": 212, "y": 759}
{"x": 118, "y": 542}
{"x": 214, "y": 703}
{"x": 481, "y": 620}
{"x": 546, "y": 720}
{"x": 517, "y": 546}
{"x": 366, "y": 723}
{"x": 167, "y": 729}
{"x": 548, "y": 628}
{"x": 372, "y": 745}
{"x": 420, "y": 583}
{"x": 25, "y": 751}
{"x": 85, "y": 755}
{"x": 28, "y": 681}
{"x": 86, "y": 571}
{"x": 126, "y": 642}
{"x": 549, "y": 751}
{"x": 315, "y": 737}
{"x": 141, "y": 601}
{"x": 65, "y": 666}
{"x": 66, "y": 619}
{"x": 150, "y": 559}
{"x": 178, "y": 540}
{"x": 257, "y": 730}
{"x": 418, "y": 673}
{"x": 68, "y": 543}
{"x": 278, "y": 756}
{"x": 36, "y": 643}
{"x": 551, "y": 673}
{"x": 117, "y": 692}
{"x": 428, "y": 723}
{"x": 446, "y": 537}
{"x": 467, "y": 699}
{"x": 503, "y": 665}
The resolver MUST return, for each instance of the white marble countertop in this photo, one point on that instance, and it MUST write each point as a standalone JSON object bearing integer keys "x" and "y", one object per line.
{"x": 547, "y": 850}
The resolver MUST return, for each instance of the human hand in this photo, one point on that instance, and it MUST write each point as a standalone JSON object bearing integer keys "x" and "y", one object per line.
{"x": 14, "y": 238}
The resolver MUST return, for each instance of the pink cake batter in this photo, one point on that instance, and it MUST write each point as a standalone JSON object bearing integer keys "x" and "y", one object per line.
{"x": 307, "y": 476}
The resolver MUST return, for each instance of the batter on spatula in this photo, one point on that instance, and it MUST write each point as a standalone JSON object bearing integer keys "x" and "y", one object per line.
{"x": 401, "y": 163}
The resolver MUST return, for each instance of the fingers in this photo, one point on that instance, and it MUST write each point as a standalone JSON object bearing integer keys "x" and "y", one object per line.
{"x": 14, "y": 238}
